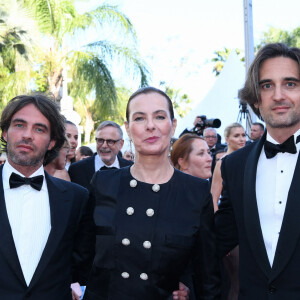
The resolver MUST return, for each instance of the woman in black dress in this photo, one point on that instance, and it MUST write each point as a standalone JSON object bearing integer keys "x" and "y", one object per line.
{"x": 152, "y": 219}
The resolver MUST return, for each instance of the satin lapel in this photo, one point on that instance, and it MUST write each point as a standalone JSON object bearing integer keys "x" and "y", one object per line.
{"x": 290, "y": 228}
{"x": 251, "y": 216}
{"x": 60, "y": 207}
{"x": 7, "y": 245}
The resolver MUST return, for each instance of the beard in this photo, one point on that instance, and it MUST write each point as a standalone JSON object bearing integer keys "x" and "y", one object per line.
{"x": 23, "y": 158}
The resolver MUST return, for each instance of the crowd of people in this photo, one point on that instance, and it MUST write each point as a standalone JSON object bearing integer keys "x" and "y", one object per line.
{"x": 186, "y": 219}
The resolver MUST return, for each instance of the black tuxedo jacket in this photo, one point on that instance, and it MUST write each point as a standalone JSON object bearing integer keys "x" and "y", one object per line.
{"x": 82, "y": 171}
{"x": 68, "y": 250}
{"x": 237, "y": 222}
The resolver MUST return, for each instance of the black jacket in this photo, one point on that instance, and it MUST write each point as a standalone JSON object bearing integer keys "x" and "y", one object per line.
{"x": 237, "y": 222}
{"x": 67, "y": 254}
{"x": 145, "y": 239}
{"x": 82, "y": 171}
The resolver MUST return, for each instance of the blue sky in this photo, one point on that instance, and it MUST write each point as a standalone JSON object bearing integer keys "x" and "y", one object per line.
{"x": 177, "y": 38}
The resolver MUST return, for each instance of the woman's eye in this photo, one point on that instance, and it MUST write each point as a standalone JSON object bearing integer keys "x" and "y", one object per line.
{"x": 138, "y": 119}
{"x": 160, "y": 117}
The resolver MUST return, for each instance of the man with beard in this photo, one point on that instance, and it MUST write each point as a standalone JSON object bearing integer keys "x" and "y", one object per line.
{"x": 260, "y": 205}
{"x": 46, "y": 224}
{"x": 109, "y": 139}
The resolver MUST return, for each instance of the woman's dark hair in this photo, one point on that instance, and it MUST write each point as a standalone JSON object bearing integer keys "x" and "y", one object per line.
{"x": 149, "y": 90}
{"x": 183, "y": 147}
{"x": 46, "y": 105}
{"x": 250, "y": 93}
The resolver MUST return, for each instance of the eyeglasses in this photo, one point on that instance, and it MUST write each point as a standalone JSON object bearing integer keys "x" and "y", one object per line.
{"x": 210, "y": 137}
{"x": 109, "y": 142}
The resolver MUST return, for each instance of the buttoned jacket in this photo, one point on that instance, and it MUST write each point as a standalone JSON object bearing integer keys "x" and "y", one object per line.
{"x": 147, "y": 235}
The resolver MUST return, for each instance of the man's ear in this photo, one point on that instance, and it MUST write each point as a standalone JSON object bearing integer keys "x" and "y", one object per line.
{"x": 51, "y": 144}
{"x": 121, "y": 144}
{"x": 4, "y": 135}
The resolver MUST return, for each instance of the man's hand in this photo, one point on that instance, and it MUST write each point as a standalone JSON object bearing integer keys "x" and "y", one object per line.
{"x": 181, "y": 294}
{"x": 76, "y": 291}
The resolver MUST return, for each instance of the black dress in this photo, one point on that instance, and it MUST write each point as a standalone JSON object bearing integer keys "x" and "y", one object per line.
{"x": 146, "y": 238}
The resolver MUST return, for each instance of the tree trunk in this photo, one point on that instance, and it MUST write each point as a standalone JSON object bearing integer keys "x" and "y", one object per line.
{"x": 88, "y": 128}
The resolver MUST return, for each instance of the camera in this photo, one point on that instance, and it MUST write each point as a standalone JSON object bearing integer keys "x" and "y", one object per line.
{"x": 215, "y": 123}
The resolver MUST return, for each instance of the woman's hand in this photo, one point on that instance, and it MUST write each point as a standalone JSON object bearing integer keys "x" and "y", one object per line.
{"x": 181, "y": 294}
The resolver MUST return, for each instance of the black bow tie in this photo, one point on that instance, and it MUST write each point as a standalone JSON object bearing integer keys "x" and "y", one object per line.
{"x": 16, "y": 180}
{"x": 289, "y": 146}
{"x": 107, "y": 168}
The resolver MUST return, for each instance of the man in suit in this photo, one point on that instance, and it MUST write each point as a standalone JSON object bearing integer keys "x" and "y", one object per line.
{"x": 109, "y": 139}
{"x": 260, "y": 206}
{"x": 46, "y": 224}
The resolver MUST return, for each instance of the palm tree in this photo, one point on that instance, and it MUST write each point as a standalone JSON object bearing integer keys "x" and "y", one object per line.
{"x": 89, "y": 65}
{"x": 17, "y": 44}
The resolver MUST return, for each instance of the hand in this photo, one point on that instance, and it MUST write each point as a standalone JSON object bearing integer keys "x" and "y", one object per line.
{"x": 198, "y": 120}
{"x": 76, "y": 291}
{"x": 181, "y": 294}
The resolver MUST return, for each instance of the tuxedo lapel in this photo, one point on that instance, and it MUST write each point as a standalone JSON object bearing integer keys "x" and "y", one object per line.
{"x": 60, "y": 207}
{"x": 251, "y": 216}
{"x": 7, "y": 245}
{"x": 290, "y": 229}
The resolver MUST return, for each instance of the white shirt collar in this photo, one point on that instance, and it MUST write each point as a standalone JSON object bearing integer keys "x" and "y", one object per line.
{"x": 270, "y": 139}
{"x": 8, "y": 169}
{"x": 99, "y": 163}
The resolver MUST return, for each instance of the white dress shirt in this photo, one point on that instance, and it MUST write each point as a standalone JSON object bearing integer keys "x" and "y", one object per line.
{"x": 273, "y": 180}
{"x": 28, "y": 213}
{"x": 99, "y": 163}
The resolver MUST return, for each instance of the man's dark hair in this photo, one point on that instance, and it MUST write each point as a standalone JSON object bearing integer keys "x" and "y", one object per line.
{"x": 250, "y": 93}
{"x": 148, "y": 90}
{"x": 86, "y": 151}
{"x": 262, "y": 127}
{"x": 46, "y": 105}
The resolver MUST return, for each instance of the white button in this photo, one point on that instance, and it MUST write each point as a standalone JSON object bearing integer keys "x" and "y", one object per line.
{"x": 147, "y": 245}
{"x": 149, "y": 212}
{"x": 133, "y": 183}
{"x": 155, "y": 188}
{"x": 125, "y": 275}
{"x": 144, "y": 276}
{"x": 130, "y": 211}
{"x": 125, "y": 242}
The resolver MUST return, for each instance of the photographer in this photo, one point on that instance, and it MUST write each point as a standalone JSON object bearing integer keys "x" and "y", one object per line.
{"x": 198, "y": 126}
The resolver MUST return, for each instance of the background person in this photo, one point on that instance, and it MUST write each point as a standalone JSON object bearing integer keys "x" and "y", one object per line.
{"x": 109, "y": 139}
{"x": 72, "y": 135}
{"x": 152, "y": 212}
{"x": 190, "y": 154}
{"x": 235, "y": 138}
{"x": 128, "y": 155}
{"x": 56, "y": 166}
{"x": 257, "y": 131}
{"x": 83, "y": 152}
